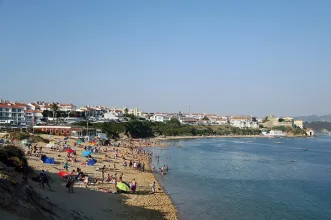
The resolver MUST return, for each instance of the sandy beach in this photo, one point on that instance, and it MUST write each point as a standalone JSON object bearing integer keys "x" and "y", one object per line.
{"x": 97, "y": 201}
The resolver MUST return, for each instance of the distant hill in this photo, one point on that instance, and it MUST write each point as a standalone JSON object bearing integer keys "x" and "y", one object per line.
{"x": 318, "y": 126}
{"x": 311, "y": 118}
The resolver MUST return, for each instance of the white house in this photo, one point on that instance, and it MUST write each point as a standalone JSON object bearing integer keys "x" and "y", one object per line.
{"x": 187, "y": 120}
{"x": 160, "y": 118}
{"x": 111, "y": 115}
{"x": 66, "y": 107}
{"x": 221, "y": 121}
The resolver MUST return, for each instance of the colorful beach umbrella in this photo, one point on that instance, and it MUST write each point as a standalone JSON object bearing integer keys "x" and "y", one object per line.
{"x": 123, "y": 187}
{"x": 86, "y": 153}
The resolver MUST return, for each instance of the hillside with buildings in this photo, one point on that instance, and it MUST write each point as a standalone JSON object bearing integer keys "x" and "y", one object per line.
{"x": 70, "y": 120}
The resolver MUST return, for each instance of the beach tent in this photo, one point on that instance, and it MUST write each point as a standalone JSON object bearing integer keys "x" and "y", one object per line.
{"x": 79, "y": 141}
{"x": 63, "y": 173}
{"x": 123, "y": 187}
{"x": 86, "y": 153}
{"x": 70, "y": 150}
{"x": 91, "y": 162}
{"x": 49, "y": 160}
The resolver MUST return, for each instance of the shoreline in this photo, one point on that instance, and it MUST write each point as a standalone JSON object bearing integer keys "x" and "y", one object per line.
{"x": 223, "y": 136}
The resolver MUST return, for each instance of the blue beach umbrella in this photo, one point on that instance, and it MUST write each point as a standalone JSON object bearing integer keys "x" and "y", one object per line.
{"x": 86, "y": 153}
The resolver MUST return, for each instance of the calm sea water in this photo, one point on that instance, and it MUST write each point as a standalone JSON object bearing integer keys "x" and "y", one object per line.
{"x": 256, "y": 179}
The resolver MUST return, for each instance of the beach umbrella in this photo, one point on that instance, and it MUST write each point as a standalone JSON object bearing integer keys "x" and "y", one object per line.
{"x": 66, "y": 138}
{"x": 70, "y": 150}
{"x": 123, "y": 187}
{"x": 63, "y": 173}
{"x": 86, "y": 153}
{"x": 79, "y": 141}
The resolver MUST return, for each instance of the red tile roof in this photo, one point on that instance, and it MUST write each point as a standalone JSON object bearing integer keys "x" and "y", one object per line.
{"x": 12, "y": 105}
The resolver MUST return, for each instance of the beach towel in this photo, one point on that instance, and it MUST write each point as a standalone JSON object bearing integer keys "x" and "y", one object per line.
{"x": 63, "y": 173}
{"x": 49, "y": 160}
{"x": 70, "y": 150}
{"x": 91, "y": 162}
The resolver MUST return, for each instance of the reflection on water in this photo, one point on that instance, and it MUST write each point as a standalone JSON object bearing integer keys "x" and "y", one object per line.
{"x": 249, "y": 179}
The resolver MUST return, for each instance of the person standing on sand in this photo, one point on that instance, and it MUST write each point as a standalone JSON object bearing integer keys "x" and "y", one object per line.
{"x": 44, "y": 179}
{"x": 143, "y": 167}
{"x": 86, "y": 181}
{"x": 70, "y": 184}
{"x": 103, "y": 172}
{"x": 153, "y": 187}
{"x": 66, "y": 165}
{"x": 133, "y": 186}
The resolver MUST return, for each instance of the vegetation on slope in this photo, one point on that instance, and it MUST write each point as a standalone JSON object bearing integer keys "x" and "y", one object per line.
{"x": 144, "y": 129}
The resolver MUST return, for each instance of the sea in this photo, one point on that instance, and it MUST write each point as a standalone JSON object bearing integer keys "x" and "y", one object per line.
{"x": 248, "y": 178}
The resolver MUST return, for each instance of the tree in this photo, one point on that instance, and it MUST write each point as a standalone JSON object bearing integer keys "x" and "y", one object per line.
{"x": 54, "y": 108}
{"x": 205, "y": 118}
{"x": 174, "y": 122}
{"x": 265, "y": 119}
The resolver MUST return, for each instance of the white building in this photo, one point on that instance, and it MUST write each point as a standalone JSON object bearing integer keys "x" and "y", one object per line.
{"x": 160, "y": 118}
{"x": 273, "y": 133}
{"x": 66, "y": 107}
{"x": 32, "y": 117}
{"x": 243, "y": 122}
{"x": 187, "y": 120}
{"x": 135, "y": 112}
{"x": 222, "y": 121}
{"x": 197, "y": 116}
{"x": 111, "y": 115}
{"x": 12, "y": 113}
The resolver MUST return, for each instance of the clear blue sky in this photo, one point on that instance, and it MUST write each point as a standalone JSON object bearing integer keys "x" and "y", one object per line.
{"x": 227, "y": 57}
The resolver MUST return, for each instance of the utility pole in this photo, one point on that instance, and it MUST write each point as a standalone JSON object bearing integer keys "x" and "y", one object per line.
{"x": 189, "y": 109}
{"x": 87, "y": 126}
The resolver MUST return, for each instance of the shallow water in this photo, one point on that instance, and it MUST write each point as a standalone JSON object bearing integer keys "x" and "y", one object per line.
{"x": 249, "y": 178}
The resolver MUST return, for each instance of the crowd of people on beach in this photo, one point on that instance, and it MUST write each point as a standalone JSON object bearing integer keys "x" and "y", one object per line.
{"x": 133, "y": 156}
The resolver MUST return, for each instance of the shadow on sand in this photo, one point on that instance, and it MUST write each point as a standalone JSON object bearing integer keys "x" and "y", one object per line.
{"x": 92, "y": 204}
